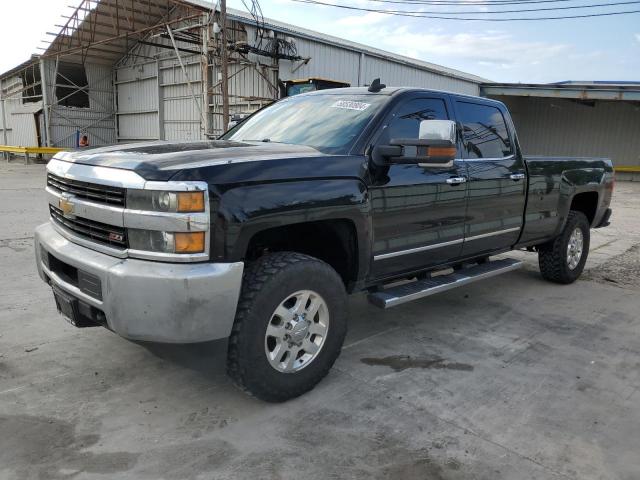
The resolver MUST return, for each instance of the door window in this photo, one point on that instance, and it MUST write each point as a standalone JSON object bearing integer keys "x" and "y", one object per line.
{"x": 485, "y": 132}
{"x": 407, "y": 117}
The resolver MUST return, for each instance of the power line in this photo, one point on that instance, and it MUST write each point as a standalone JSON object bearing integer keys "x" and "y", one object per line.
{"x": 480, "y": 3}
{"x": 433, "y": 15}
{"x": 523, "y": 10}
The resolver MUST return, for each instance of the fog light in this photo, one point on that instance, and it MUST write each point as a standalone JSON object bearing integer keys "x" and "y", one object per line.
{"x": 166, "y": 242}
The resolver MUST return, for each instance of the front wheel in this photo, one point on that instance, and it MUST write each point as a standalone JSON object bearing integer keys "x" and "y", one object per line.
{"x": 289, "y": 328}
{"x": 562, "y": 260}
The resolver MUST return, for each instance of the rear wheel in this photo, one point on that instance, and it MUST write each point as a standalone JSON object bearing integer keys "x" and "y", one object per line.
{"x": 562, "y": 260}
{"x": 289, "y": 328}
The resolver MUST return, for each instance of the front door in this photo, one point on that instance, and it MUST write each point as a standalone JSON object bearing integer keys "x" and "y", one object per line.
{"x": 496, "y": 179}
{"x": 418, "y": 212}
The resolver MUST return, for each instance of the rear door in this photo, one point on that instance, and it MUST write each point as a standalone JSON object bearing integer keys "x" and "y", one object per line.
{"x": 496, "y": 178}
{"x": 418, "y": 213}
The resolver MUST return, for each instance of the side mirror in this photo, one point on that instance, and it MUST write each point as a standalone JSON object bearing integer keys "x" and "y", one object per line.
{"x": 435, "y": 147}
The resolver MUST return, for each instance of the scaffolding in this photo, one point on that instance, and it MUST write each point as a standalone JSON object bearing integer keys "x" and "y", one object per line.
{"x": 75, "y": 84}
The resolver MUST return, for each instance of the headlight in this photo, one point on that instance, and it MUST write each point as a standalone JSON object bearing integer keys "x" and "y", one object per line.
{"x": 163, "y": 201}
{"x": 166, "y": 242}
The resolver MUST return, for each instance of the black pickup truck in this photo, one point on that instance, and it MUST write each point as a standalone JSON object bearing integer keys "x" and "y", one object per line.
{"x": 261, "y": 235}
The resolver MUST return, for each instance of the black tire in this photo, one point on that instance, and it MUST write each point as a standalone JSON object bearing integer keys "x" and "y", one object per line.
{"x": 266, "y": 283}
{"x": 552, "y": 256}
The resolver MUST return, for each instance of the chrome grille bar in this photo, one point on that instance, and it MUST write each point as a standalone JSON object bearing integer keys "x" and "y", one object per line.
{"x": 99, "y": 232}
{"x": 90, "y": 191}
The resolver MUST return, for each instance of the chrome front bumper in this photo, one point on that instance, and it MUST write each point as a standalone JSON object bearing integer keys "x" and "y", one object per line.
{"x": 146, "y": 300}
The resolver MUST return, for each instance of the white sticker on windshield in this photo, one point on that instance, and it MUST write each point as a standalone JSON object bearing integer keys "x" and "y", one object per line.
{"x": 351, "y": 105}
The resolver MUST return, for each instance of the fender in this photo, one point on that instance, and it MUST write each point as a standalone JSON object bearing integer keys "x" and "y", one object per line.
{"x": 573, "y": 182}
{"x": 246, "y": 210}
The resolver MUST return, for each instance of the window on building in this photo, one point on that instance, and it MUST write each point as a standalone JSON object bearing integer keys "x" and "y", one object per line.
{"x": 485, "y": 132}
{"x": 32, "y": 88}
{"x": 72, "y": 85}
{"x": 407, "y": 118}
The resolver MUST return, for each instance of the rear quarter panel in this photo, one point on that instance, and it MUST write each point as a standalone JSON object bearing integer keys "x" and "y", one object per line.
{"x": 552, "y": 185}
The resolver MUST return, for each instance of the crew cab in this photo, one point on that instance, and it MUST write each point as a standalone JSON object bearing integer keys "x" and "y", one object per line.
{"x": 261, "y": 235}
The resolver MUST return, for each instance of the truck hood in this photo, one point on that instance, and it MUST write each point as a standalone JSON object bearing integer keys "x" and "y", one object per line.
{"x": 160, "y": 160}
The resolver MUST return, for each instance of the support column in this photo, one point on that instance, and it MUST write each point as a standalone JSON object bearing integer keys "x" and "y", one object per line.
{"x": 225, "y": 66}
{"x": 4, "y": 123}
{"x": 206, "y": 35}
{"x": 160, "y": 103}
{"x": 45, "y": 102}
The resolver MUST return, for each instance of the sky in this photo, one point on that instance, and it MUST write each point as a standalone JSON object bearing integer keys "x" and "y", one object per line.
{"x": 604, "y": 48}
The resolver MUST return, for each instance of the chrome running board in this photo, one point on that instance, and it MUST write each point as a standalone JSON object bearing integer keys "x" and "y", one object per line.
{"x": 408, "y": 292}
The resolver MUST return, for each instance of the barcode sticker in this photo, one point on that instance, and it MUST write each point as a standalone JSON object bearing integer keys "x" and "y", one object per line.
{"x": 351, "y": 105}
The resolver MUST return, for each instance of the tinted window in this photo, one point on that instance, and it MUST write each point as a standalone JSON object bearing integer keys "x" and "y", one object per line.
{"x": 330, "y": 123}
{"x": 485, "y": 131}
{"x": 407, "y": 118}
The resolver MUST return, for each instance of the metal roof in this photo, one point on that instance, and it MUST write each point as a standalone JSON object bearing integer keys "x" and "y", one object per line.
{"x": 578, "y": 90}
{"x": 18, "y": 68}
{"x": 596, "y": 82}
{"x": 103, "y": 31}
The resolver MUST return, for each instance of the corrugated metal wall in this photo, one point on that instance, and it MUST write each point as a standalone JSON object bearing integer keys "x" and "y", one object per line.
{"x": 152, "y": 106}
{"x": 397, "y": 74}
{"x": 181, "y": 115}
{"x": 327, "y": 61}
{"x": 155, "y": 102}
{"x": 137, "y": 102}
{"x": 549, "y": 126}
{"x": 359, "y": 69}
{"x": 97, "y": 121}
{"x": 21, "y": 118}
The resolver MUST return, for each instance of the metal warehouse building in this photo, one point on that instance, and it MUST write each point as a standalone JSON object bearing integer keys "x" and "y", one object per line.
{"x": 592, "y": 119}
{"x": 121, "y": 71}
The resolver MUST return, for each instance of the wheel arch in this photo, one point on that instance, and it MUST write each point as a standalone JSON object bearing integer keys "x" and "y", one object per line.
{"x": 587, "y": 203}
{"x": 334, "y": 241}
{"x": 297, "y": 216}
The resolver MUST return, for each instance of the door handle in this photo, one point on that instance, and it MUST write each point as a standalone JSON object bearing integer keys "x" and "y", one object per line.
{"x": 517, "y": 176}
{"x": 456, "y": 180}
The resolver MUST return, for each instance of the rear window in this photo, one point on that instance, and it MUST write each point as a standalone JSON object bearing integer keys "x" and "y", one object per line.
{"x": 485, "y": 131}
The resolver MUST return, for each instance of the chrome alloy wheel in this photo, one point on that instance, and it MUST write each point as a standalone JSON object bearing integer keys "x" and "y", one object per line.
{"x": 574, "y": 248}
{"x": 296, "y": 331}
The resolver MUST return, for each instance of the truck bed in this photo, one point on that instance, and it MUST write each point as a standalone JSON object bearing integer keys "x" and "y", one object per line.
{"x": 552, "y": 183}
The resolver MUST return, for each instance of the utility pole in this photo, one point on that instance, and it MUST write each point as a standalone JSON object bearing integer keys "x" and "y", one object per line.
{"x": 225, "y": 66}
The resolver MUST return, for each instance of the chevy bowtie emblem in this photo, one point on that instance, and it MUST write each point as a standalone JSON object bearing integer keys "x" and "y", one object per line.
{"x": 66, "y": 206}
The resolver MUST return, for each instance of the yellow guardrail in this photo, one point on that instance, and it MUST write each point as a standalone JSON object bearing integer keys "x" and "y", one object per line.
{"x": 31, "y": 150}
{"x": 627, "y": 169}
{"x": 26, "y": 151}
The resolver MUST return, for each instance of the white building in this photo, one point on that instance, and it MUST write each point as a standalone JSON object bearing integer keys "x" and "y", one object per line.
{"x": 150, "y": 69}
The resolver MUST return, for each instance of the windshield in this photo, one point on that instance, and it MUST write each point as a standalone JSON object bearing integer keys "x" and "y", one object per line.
{"x": 329, "y": 123}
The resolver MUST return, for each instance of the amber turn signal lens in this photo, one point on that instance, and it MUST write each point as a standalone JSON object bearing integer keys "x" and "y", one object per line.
{"x": 190, "y": 202}
{"x": 446, "y": 152}
{"x": 192, "y": 242}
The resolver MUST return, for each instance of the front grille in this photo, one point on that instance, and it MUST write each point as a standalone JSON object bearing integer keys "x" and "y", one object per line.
{"x": 93, "y": 192}
{"x": 98, "y": 232}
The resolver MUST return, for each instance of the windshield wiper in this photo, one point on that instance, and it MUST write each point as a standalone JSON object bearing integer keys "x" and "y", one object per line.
{"x": 264, "y": 140}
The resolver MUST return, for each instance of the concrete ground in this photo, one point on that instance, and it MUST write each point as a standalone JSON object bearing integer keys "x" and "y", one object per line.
{"x": 511, "y": 378}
